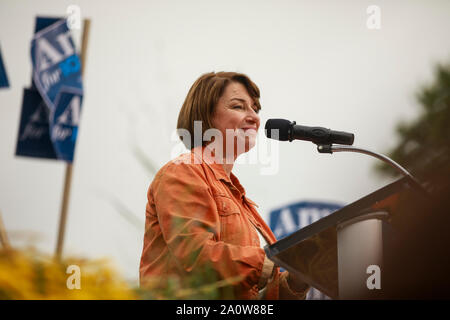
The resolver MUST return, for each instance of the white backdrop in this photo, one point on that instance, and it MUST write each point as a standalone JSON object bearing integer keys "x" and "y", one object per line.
{"x": 315, "y": 62}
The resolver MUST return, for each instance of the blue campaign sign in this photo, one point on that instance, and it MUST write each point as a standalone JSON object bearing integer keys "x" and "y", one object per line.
{"x": 57, "y": 88}
{"x": 4, "y": 83}
{"x": 290, "y": 218}
{"x": 42, "y": 23}
{"x": 55, "y": 62}
{"x": 64, "y": 122}
{"x": 34, "y": 135}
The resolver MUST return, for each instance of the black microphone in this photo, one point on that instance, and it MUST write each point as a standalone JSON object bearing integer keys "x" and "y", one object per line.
{"x": 288, "y": 131}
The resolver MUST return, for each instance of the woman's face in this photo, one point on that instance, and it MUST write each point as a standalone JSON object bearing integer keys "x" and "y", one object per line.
{"x": 236, "y": 110}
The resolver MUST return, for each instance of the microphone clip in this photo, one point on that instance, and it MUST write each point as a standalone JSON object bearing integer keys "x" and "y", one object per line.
{"x": 324, "y": 148}
{"x": 291, "y": 131}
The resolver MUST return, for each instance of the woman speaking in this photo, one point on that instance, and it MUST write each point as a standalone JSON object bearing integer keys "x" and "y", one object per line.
{"x": 198, "y": 214}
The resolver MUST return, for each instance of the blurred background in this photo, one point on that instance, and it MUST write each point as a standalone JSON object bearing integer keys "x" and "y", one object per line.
{"x": 320, "y": 63}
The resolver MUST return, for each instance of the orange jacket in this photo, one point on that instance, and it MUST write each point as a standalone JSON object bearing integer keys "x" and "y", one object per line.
{"x": 197, "y": 215}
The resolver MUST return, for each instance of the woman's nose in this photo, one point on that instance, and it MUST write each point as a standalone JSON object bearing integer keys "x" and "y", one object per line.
{"x": 253, "y": 118}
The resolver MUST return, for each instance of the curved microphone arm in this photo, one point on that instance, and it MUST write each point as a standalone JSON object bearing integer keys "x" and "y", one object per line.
{"x": 342, "y": 148}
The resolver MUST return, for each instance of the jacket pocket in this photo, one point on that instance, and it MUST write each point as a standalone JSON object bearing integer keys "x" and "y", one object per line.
{"x": 230, "y": 217}
{"x": 226, "y": 206}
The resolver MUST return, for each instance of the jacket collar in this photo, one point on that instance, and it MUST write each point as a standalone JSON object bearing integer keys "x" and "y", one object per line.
{"x": 217, "y": 168}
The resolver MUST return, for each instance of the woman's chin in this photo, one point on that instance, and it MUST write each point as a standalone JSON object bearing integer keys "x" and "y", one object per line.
{"x": 249, "y": 143}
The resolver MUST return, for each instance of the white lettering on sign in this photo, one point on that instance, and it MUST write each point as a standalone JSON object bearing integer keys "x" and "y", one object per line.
{"x": 285, "y": 223}
{"x": 50, "y": 78}
{"x": 65, "y": 43}
{"x": 33, "y": 131}
{"x": 61, "y": 133}
{"x": 308, "y": 216}
{"x": 71, "y": 115}
{"x": 46, "y": 54}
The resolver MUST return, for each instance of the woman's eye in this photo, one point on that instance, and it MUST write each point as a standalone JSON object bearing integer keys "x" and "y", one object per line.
{"x": 241, "y": 107}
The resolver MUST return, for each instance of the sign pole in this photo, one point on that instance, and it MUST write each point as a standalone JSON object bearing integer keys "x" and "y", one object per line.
{"x": 3, "y": 237}
{"x": 69, "y": 166}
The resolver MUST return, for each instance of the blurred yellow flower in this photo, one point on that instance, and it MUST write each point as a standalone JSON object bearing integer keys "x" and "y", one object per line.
{"x": 30, "y": 275}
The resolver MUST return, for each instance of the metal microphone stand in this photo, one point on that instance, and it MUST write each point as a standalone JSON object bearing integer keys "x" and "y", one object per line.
{"x": 329, "y": 148}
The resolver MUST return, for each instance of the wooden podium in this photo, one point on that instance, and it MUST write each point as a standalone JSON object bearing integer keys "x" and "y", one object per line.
{"x": 342, "y": 254}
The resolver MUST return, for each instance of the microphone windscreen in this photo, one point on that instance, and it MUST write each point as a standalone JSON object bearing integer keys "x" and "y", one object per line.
{"x": 283, "y": 126}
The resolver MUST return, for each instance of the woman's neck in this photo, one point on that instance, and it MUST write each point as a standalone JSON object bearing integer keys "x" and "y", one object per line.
{"x": 228, "y": 167}
{"x": 226, "y": 163}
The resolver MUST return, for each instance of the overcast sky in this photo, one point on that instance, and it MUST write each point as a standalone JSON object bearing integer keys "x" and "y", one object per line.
{"x": 315, "y": 62}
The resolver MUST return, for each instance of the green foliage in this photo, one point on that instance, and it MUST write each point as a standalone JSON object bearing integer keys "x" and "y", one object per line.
{"x": 201, "y": 284}
{"x": 424, "y": 142}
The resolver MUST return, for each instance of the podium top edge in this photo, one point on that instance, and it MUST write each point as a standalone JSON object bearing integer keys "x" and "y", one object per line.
{"x": 351, "y": 211}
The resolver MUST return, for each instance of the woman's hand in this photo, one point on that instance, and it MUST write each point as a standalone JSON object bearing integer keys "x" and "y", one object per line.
{"x": 295, "y": 284}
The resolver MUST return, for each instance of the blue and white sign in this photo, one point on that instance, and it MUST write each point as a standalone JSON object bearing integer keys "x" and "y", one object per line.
{"x": 40, "y": 24}
{"x": 34, "y": 134}
{"x": 44, "y": 22}
{"x": 52, "y": 107}
{"x": 64, "y": 122}
{"x": 55, "y": 62}
{"x": 290, "y": 218}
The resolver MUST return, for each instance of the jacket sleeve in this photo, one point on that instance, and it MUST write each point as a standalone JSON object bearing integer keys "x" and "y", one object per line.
{"x": 190, "y": 225}
{"x": 289, "y": 293}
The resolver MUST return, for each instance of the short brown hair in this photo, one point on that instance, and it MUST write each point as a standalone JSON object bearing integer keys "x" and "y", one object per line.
{"x": 203, "y": 97}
